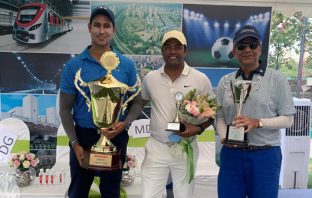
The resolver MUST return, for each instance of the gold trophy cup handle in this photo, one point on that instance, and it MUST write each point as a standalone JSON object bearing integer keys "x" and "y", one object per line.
{"x": 82, "y": 83}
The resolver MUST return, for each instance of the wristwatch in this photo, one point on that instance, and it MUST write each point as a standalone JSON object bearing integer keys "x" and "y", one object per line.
{"x": 74, "y": 142}
{"x": 260, "y": 123}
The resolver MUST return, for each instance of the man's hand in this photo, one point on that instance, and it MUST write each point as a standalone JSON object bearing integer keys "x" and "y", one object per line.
{"x": 190, "y": 130}
{"x": 244, "y": 121}
{"x": 79, "y": 152}
{"x": 113, "y": 131}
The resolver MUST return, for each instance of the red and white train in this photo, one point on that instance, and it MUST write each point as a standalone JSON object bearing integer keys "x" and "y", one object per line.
{"x": 37, "y": 23}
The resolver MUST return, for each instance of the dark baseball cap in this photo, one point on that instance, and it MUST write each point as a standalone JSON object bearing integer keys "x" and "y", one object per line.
{"x": 103, "y": 10}
{"x": 246, "y": 31}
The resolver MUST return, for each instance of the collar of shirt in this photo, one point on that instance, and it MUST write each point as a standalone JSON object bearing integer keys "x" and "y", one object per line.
{"x": 185, "y": 72}
{"x": 91, "y": 69}
{"x": 260, "y": 70}
{"x": 86, "y": 54}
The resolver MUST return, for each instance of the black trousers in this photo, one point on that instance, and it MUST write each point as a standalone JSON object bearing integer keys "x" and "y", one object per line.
{"x": 82, "y": 179}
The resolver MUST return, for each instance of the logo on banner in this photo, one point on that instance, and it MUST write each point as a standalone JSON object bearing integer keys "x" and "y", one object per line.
{"x": 139, "y": 128}
{"x": 7, "y": 141}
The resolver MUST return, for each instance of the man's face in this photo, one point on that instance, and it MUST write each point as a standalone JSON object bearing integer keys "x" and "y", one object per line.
{"x": 101, "y": 30}
{"x": 173, "y": 52}
{"x": 248, "y": 52}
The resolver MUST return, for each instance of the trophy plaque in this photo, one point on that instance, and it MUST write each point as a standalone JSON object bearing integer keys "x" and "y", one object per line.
{"x": 176, "y": 125}
{"x": 240, "y": 91}
{"x": 107, "y": 103}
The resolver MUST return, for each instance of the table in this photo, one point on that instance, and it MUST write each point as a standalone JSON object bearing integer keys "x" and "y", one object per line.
{"x": 35, "y": 190}
{"x": 205, "y": 177}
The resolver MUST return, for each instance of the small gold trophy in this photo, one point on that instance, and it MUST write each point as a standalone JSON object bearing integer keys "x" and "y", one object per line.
{"x": 107, "y": 96}
{"x": 240, "y": 92}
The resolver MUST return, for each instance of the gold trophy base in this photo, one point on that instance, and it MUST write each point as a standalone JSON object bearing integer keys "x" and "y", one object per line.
{"x": 101, "y": 161}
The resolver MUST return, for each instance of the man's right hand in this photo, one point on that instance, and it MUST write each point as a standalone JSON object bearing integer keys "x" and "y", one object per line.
{"x": 79, "y": 152}
{"x": 114, "y": 130}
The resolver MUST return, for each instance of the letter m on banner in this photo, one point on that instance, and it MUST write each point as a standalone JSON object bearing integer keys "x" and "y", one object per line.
{"x": 139, "y": 128}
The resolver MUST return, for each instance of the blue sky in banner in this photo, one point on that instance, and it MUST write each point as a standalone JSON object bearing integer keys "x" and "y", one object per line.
{"x": 9, "y": 101}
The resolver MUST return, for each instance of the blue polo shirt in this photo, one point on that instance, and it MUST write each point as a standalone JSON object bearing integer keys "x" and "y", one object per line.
{"x": 91, "y": 70}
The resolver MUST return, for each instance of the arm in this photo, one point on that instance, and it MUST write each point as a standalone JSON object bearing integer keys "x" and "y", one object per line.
{"x": 66, "y": 103}
{"x": 192, "y": 130}
{"x": 278, "y": 122}
{"x": 268, "y": 123}
{"x": 221, "y": 126}
{"x": 221, "y": 129}
{"x": 136, "y": 106}
{"x": 205, "y": 125}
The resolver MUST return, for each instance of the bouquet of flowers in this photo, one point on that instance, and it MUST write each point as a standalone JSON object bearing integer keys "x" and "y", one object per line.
{"x": 23, "y": 161}
{"x": 194, "y": 110}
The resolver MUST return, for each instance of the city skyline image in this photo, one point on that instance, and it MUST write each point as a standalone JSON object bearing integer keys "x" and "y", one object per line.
{"x": 37, "y": 109}
{"x": 142, "y": 25}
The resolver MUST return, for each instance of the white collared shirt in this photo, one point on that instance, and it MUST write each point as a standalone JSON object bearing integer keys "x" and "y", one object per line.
{"x": 160, "y": 90}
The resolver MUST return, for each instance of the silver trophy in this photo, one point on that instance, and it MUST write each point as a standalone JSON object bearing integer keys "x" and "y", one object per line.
{"x": 176, "y": 125}
{"x": 240, "y": 91}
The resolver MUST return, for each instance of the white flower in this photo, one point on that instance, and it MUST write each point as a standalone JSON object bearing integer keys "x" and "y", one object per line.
{"x": 21, "y": 157}
{"x": 26, "y": 164}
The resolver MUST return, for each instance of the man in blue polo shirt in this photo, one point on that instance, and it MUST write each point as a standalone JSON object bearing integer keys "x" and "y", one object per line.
{"x": 76, "y": 119}
{"x": 253, "y": 171}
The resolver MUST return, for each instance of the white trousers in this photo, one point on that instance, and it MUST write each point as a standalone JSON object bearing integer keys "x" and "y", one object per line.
{"x": 159, "y": 161}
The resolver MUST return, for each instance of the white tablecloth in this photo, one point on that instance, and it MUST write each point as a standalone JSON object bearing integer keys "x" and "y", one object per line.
{"x": 8, "y": 188}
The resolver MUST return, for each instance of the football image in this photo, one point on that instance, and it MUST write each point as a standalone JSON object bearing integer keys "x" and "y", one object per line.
{"x": 222, "y": 49}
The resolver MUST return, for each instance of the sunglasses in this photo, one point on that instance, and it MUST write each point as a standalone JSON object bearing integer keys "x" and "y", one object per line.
{"x": 242, "y": 46}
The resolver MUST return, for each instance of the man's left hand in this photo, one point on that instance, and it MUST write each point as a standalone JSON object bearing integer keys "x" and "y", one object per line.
{"x": 190, "y": 130}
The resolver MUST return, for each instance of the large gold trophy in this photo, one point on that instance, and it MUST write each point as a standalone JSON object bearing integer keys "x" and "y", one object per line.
{"x": 107, "y": 96}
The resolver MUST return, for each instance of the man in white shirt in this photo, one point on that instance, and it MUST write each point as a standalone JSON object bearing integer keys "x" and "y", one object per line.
{"x": 160, "y": 87}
